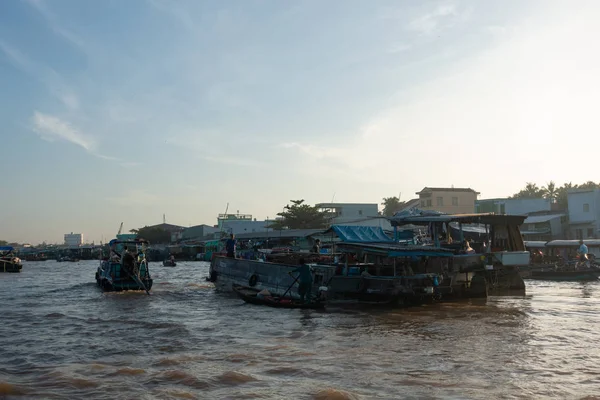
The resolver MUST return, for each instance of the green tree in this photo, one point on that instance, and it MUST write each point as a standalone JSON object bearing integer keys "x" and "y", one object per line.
{"x": 562, "y": 198}
{"x": 390, "y": 205}
{"x": 154, "y": 234}
{"x": 550, "y": 191}
{"x": 3, "y": 243}
{"x": 588, "y": 185}
{"x": 531, "y": 191}
{"x": 300, "y": 216}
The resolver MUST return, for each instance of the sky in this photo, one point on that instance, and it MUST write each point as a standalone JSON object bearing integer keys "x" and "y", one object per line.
{"x": 122, "y": 111}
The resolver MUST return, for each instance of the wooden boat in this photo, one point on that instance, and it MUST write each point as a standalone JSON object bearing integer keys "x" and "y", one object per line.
{"x": 8, "y": 261}
{"x": 130, "y": 274}
{"x": 590, "y": 274}
{"x": 250, "y": 295}
{"x": 169, "y": 263}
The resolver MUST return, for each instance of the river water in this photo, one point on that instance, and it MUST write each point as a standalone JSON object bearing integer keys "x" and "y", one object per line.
{"x": 62, "y": 338}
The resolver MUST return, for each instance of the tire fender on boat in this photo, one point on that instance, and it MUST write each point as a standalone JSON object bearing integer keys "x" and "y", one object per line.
{"x": 253, "y": 280}
{"x": 213, "y": 276}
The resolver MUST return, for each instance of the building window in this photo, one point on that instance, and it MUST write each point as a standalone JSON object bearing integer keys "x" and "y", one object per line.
{"x": 502, "y": 208}
{"x": 359, "y": 212}
{"x": 586, "y": 207}
{"x": 429, "y": 203}
{"x": 439, "y": 201}
{"x": 455, "y": 201}
{"x": 423, "y": 203}
{"x": 590, "y": 233}
{"x": 578, "y": 234}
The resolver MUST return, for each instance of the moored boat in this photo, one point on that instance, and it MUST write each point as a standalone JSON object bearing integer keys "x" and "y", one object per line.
{"x": 253, "y": 296}
{"x": 557, "y": 260}
{"x": 169, "y": 263}
{"x": 126, "y": 268}
{"x": 497, "y": 252}
{"x": 587, "y": 274}
{"x": 8, "y": 261}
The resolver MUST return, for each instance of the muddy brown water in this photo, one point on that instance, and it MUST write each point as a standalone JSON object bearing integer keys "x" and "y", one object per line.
{"x": 62, "y": 338}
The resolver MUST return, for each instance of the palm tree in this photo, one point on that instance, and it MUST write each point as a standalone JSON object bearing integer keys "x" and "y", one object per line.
{"x": 550, "y": 191}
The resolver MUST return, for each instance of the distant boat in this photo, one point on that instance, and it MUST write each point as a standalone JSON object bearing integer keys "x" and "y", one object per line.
{"x": 169, "y": 263}
{"x": 130, "y": 274}
{"x": 8, "y": 261}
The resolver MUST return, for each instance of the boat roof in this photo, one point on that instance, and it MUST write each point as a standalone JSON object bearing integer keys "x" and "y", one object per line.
{"x": 573, "y": 243}
{"x": 133, "y": 241}
{"x": 535, "y": 244}
{"x": 482, "y": 218}
{"x": 362, "y": 234}
{"x": 394, "y": 249}
{"x": 6, "y": 248}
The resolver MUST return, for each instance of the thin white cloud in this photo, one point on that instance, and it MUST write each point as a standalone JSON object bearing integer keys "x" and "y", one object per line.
{"x": 399, "y": 48}
{"x": 498, "y": 116}
{"x": 58, "y": 28}
{"x": 52, "y": 128}
{"x": 47, "y": 76}
{"x": 432, "y": 21}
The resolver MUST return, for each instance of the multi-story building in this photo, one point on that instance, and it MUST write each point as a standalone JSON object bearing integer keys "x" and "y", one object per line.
{"x": 584, "y": 213}
{"x": 198, "y": 232}
{"x": 73, "y": 239}
{"x": 513, "y": 206}
{"x": 448, "y": 200}
{"x": 344, "y": 213}
{"x": 241, "y": 223}
{"x": 545, "y": 226}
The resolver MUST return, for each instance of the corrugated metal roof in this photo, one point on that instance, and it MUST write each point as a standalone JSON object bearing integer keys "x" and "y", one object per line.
{"x": 360, "y": 233}
{"x": 534, "y": 219}
{"x": 284, "y": 233}
{"x": 573, "y": 243}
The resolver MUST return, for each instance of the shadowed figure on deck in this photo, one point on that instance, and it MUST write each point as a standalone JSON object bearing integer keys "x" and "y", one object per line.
{"x": 305, "y": 280}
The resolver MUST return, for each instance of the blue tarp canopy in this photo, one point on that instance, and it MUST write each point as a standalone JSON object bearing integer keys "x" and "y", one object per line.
{"x": 360, "y": 234}
{"x": 6, "y": 248}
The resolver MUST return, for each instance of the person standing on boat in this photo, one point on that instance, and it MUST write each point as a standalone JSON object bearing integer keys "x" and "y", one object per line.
{"x": 317, "y": 247}
{"x": 583, "y": 254}
{"x": 305, "y": 278}
{"x": 230, "y": 246}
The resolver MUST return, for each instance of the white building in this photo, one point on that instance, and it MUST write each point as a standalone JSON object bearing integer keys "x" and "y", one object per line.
{"x": 241, "y": 223}
{"x": 584, "y": 213}
{"x": 345, "y": 213}
{"x": 73, "y": 239}
{"x": 513, "y": 206}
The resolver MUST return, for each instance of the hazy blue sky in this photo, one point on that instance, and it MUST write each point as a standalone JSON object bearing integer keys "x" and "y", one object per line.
{"x": 119, "y": 110}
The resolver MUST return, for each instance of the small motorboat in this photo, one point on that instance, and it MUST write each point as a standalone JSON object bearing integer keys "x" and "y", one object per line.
{"x": 125, "y": 270}
{"x": 169, "y": 263}
{"x": 8, "y": 261}
{"x": 251, "y": 295}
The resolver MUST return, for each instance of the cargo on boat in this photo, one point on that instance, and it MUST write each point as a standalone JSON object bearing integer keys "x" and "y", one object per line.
{"x": 126, "y": 268}
{"x": 9, "y": 262}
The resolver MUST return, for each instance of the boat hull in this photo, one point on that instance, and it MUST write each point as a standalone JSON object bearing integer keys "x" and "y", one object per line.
{"x": 226, "y": 272}
{"x": 169, "y": 264}
{"x": 576, "y": 275}
{"x": 10, "y": 266}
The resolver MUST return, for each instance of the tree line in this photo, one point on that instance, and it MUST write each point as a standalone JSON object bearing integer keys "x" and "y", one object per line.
{"x": 551, "y": 191}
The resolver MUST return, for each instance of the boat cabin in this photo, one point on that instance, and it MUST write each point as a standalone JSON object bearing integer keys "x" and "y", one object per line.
{"x": 498, "y": 237}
